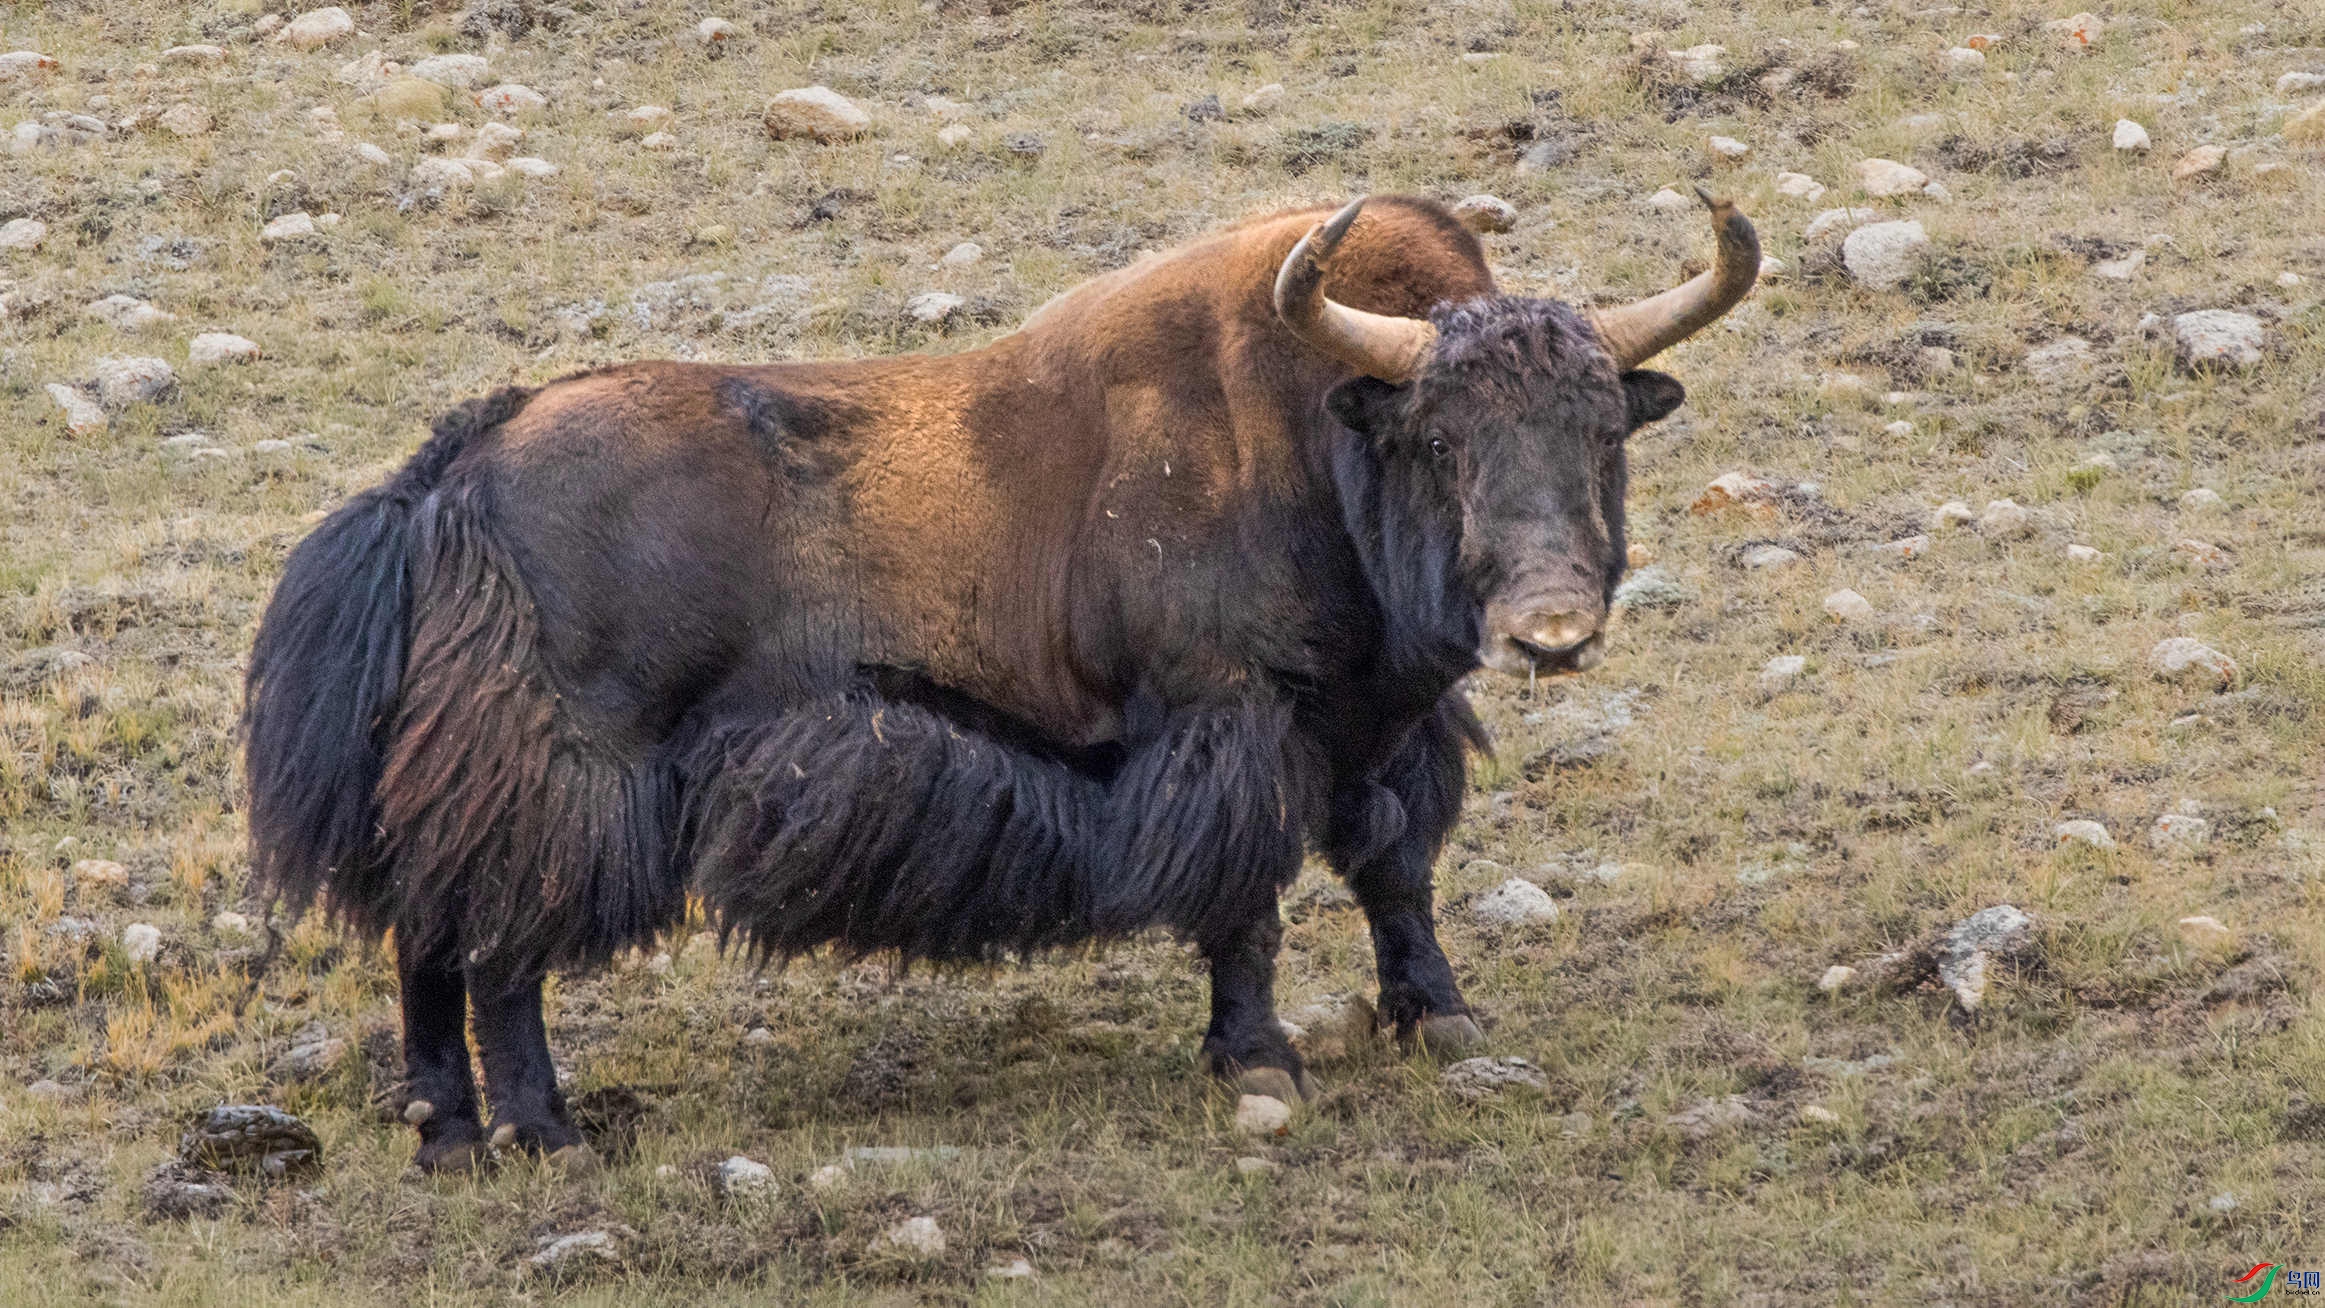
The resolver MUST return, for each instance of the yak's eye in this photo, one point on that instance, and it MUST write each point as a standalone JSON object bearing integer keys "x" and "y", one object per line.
{"x": 1438, "y": 447}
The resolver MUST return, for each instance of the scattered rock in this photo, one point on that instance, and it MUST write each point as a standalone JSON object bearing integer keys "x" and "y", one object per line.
{"x": 742, "y": 1178}
{"x": 102, "y": 874}
{"x": 1848, "y": 606}
{"x": 1670, "y": 201}
{"x": 915, "y": 1237}
{"x": 1248, "y": 1166}
{"x": 460, "y": 72}
{"x": 439, "y": 173}
{"x": 1480, "y": 1079}
{"x": 1951, "y": 514}
{"x": 1331, "y": 1028}
{"x": 2083, "y": 554}
{"x": 1736, "y": 489}
{"x": 2202, "y": 553}
{"x": 2306, "y": 127}
{"x": 640, "y": 120}
{"x": 510, "y": 98}
{"x": 2130, "y": 136}
{"x": 2203, "y": 161}
{"x": 1700, "y": 63}
{"x": 185, "y": 118}
{"x": 955, "y": 136}
{"x": 1819, "y": 1115}
{"x": 2120, "y": 270}
{"x": 317, "y": 28}
{"x": 2200, "y": 499}
{"x": 1548, "y": 153}
{"x": 1900, "y": 429}
{"x": 495, "y": 141}
{"x": 2000, "y": 932}
{"x": 128, "y": 313}
{"x": 1486, "y": 213}
{"x": 123, "y": 381}
{"x": 716, "y": 31}
{"x": 933, "y": 307}
{"x": 1653, "y": 587}
{"x": 251, "y": 1138}
{"x": 2179, "y": 831}
{"x": 22, "y": 234}
{"x": 1907, "y": 548}
{"x": 830, "y": 1176}
{"x": 298, "y": 225}
{"x": 1800, "y": 186}
{"x": 176, "y": 1193}
{"x": 1264, "y": 99}
{"x": 2078, "y": 33}
{"x": 2004, "y": 519}
{"x": 229, "y": 922}
{"x": 2083, "y": 831}
{"x": 367, "y": 72}
{"x": 1017, "y": 1269}
{"x": 564, "y": 1256}
{"x": 17, "y": 65}
{"x": 962, "y": 255}
{"x": 1835, "y": 978}
{"x": 658, "y": 141}
{"x": 83, "y": 417}
{"x": 2292, "y": 84}
{"x": 141, "y": 942}
{"x": 897, "y": 1155}
{"x": 2205, "y": 930}
{"x": 1205, "y": 110}
{"x": 313, "y": 1053}
{"x": 1515, "y": 902}
{"x": 818, "y": 112}
{"x": 1881, "y": 256}
{"x": 1782, "y": 672}
{"x": 1761, "y": 558}
{"x": 1835, "y": 220}
{"x": 1883, "y": 178}
{"x": 1709, "y": 1117}
{"x": 198, "y": 56}
{"x": 1262, "y": 1115}
{"x": 1727, "y": 148}
{"x": 2185, "y": 659}
{"x": 2219, "y": 339}
{"x": 1963, "y": 61}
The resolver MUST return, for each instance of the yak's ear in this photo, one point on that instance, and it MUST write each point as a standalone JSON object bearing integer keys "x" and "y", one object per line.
{"x": 1651, "y": 395}
{"x": 1363, "y": 403}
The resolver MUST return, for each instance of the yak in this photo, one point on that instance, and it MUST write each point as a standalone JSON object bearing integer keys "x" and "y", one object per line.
{"x": 1096, "y": 629}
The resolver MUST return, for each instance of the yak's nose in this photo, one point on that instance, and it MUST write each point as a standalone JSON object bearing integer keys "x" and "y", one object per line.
{"x": 1555, "y": 635}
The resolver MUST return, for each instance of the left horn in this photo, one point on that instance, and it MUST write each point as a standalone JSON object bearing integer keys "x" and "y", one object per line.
{"x": 1634, "y": 333}
{"x": 1377, "y": 345}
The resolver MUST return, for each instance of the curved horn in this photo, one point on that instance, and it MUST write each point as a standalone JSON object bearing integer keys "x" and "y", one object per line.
{"x": 1634, "y": 333}
{"x": 1377, "y": 345}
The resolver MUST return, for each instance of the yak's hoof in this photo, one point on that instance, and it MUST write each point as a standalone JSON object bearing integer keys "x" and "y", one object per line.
{"x": 542, "y": 1138}
{"x": 449, "y": 1156}
{"x": 1276, "y": 1083}
{"x": 1446, "y": 1034}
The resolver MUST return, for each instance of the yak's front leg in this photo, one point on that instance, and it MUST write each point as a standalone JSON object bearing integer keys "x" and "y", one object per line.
{"x": 520, "y": 1081}
{"x": 1417, "y": 798}
{"x": 1246, "y": 1044}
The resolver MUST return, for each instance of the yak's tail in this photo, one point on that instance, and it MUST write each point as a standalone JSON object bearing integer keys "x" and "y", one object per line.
{"x": 321, "y": 694}
{"x": 881, "y": 825}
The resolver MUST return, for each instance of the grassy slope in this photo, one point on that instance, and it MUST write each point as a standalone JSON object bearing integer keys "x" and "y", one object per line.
{"x": 2064, "y": 1146}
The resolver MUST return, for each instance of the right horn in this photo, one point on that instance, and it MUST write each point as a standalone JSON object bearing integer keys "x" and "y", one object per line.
{"x": 1376, "y": 344}
{"x": 1636, "y": 332}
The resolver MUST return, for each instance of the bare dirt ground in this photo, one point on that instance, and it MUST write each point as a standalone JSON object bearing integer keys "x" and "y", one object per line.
{"x": 2135, "y": 1111}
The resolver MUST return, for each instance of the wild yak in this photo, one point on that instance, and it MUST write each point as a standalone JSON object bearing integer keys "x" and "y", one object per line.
{"x": 1092, "y": 630}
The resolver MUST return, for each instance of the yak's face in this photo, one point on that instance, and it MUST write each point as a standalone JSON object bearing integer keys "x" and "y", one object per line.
{"x": 1515, "y": 432}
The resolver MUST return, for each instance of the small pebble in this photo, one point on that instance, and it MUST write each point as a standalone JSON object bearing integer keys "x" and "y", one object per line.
{"x": 1836, "y": 977}
{"x": 2130, "y": 136}
{"x": 1262, "y": 1115}
{"x": 1848, "y": 606}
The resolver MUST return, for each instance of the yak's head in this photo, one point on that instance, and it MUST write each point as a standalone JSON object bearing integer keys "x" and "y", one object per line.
{"x": 1503, "y": 418}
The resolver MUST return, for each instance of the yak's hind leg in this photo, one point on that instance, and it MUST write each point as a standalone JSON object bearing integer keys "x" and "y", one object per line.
{"x": 1387, "y": 832}
{"x": 1246, "y": 1044}
{"x": 440, "y": 1088}
{"x": 520, "y": 1081}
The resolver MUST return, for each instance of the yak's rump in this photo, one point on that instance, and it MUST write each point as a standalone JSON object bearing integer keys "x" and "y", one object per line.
{"x": 884, "y": 825}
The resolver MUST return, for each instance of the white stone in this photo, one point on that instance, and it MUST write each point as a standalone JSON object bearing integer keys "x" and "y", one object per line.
{"x": 461, "y": 72}
{"x": 2120, "y": 270}
{"x": 1670, "y": 201}
{"x": 200, "y": 56}
{"x": 2083, "y": 554}
{"x": 641, "y": 119}
{"x": 185, "y": 118}
{"x": 228, "y": 922}
{"x": 1836, "y": 220}
{"x": 141, "y": 941}
{"x": 914, "y": 1237}
{"x": 830, "y": 1176}
{"x": 438, "y": 173}
{"x": 2005, "y": 518}
{"x": 1486, "y": 213}
{"x": 1835, "y": 977}
{"x": 1880, "y": 256}
{"x": 2202, "y": 161}
{"x": 82, "y": 415}
{"x": 495, "y": 141}
{"x": 2066, "y": 359}
{"x": 123, "y": 381}
{"x": 2083, "y": 831}
{"x": 740, "y": 1177}
{"x": 1883, "y": 178}
{"x": 1017, "y": 1269}
{"x": 1262, "y": 1115}
{"x": 1782, "y": 672}
{"x": 1264, "y": 99}
{"x": 373, "y": 155}
{"x": 2292, "y": 84}
{"x": 1952, "y": 513}
{"x": 368, "y": 71}
{"x": 1800, "y": 186}
{"x": 317, "y": 28}
{"x": 213, "y": 348}
{"x": 2288, "y": 280}
{"x": 1963, "y": 957}
{"x": 1962, "y": 61}
{"x": 2078, "y": 32}
{"x": 716, "y": 31}
{"x": 933, "y": 307}
{"x": 2205, "y": 928}
{"x": 1478, "y": 1079}
{"x": 1771, "y": 268}
{"x": 1761, "y": 558}
{"x": 1727, "y": 147}
{"x": 567, "y": 1254}
{"x": 2179, "y": 831}
{"x": 962, "y": 255}
{"x": 1699, "y": 63}
{"x": 955, "y": 136}
{"x": 22, "y": 234}
{"x": 1513, "y": 903}
{"x": 18, "y": 64}
{"x": 1908, "y": 547}
{"x": 817, "y": 112}
{"x": 128, "y": 313}
{"x": 295, "y": 226}
{"x": 1899, "y": 429}
{"x": 2186, "y": 659}
{"x": 1848, "y": 606}
{"x": 2130, "y": 136}
{"x": 2218, "y": 338}
{"x": 1819, "y": 1115}
{"x": 658, "y": 141}
{"x": 2202, "y": 497}
{"x": 511, "y": 98}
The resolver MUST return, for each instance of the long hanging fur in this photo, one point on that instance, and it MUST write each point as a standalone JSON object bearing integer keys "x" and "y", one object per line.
{"x": 881, "y": 825}
{"x": 323, "y": 680}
